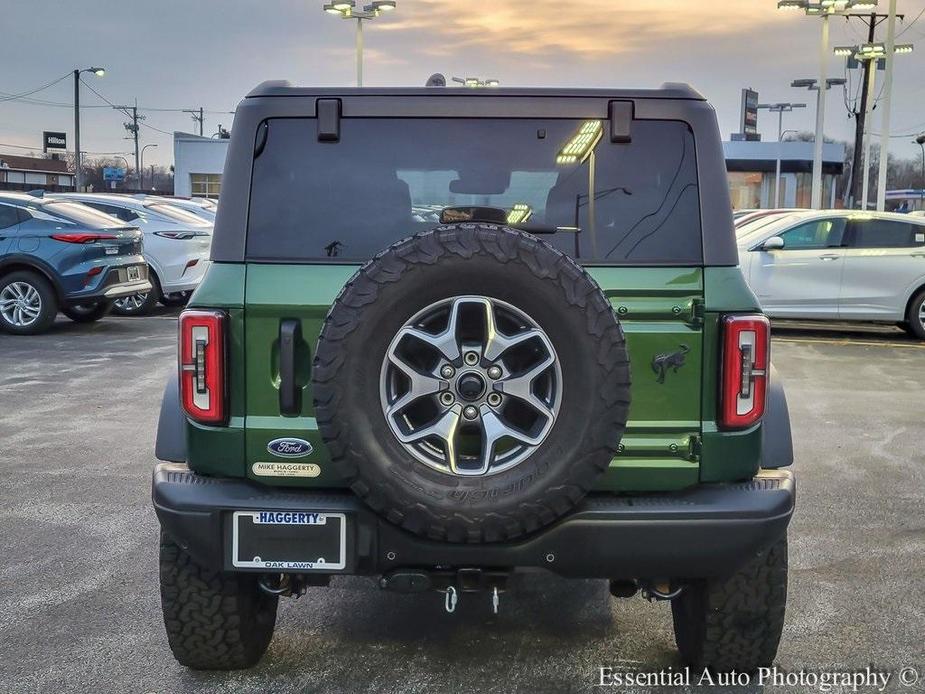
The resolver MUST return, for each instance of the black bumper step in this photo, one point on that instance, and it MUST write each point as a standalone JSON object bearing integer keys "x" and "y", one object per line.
{"x": 708, "y": 530}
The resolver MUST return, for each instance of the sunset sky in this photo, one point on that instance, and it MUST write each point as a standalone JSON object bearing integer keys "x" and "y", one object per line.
{"x": 179, "y": 54}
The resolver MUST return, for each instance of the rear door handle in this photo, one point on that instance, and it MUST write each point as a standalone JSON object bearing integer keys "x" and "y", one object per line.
{"x": 829, "y": 256}
{"x": 290, "y": 395}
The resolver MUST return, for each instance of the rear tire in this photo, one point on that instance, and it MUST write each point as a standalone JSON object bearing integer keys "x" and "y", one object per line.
{"x": 176, "y": 299}
{"x": 87, "y": 313}
{"x": 40, "y": 303}
{"x": 735, "y": 623}
{"x": 139, "y": 304}
{"x": 214, "y": 620}
{"x": 915, "y": 316}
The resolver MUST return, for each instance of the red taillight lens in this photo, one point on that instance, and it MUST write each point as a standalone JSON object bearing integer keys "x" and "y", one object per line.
{"x": 202, "y": 365}
{"x": 75, "y": 237}
{"x": 746, "y": 359}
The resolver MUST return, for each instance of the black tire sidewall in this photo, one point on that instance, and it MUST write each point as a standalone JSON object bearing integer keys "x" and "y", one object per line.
{"x": 913, "y": 323}
{"x": 100, "y": 310}
{"x": 49, "y": 303}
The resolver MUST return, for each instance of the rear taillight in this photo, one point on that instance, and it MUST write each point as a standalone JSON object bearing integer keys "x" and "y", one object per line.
{"x": 77, "y": 237}
{"x": 746, "y": 356}
{"x": 202, "y": 365}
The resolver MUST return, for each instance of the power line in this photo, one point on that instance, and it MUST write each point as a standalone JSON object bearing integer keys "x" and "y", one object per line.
{"x": 37, "y": 89}
{"x": 909, "y": 25}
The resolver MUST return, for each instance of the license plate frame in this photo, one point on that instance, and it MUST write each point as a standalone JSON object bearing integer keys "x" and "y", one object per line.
{"x": 312, "y": 535}
{"x": 133, "y": 273}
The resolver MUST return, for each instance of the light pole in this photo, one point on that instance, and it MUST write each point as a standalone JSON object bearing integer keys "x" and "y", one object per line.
{"x": 869, "y": 52}
{"x": 920, "y": 141}
{"x": 887, "y": 106}
{"x": 78, "y": 165}
{"x": 813, "y": 85}
{"x": 346, "y": 10}
{"x": 779, "y": 109}
{"x": 824, "y": 9}
{"x": 141, "y": 176}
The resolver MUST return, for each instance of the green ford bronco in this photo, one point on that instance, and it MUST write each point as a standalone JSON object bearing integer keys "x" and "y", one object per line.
{"x": 449, "y": 335}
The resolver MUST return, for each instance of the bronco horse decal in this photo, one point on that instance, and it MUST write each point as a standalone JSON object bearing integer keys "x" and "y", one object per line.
{"x": 668, "y": 360}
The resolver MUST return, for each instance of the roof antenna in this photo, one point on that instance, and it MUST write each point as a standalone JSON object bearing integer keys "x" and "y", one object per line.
{"x": 436, "y": 80}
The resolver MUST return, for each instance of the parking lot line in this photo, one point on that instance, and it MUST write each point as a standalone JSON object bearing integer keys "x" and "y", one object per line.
{"x": 848, "y": 341}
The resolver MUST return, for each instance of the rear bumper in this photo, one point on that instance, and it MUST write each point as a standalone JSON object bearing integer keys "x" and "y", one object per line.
{"x": 114, "y": 284}
{"x": 709, "y": 530}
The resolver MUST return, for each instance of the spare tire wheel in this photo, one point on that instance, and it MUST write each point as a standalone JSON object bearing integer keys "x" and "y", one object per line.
{"x": 471, "y": 383}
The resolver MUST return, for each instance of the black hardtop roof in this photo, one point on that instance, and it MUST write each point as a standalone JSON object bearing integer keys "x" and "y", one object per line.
{"x": 669, "y": 90}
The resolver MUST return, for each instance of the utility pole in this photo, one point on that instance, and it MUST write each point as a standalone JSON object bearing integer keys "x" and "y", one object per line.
{"x": 78, "y": 165}
{"x": 197, "y": 117}
{"x": 132, "y": 112}
{"x": 860, "y": 116}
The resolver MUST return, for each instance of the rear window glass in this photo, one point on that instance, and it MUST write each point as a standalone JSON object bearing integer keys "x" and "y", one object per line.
{"x": 176, "y": 214}
{"x": 390, "y": 178}
{"x": 77, "y": 213}
{"x": 884, "y": 233}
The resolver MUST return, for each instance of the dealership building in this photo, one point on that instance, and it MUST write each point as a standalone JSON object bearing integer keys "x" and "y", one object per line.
{"x": 750, "y": 166}
{"x": 34, "y": 173}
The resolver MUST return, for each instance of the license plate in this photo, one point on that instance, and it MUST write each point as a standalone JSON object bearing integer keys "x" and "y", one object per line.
{"x": 134, "y": 273}
{"x": 289, "y": 540}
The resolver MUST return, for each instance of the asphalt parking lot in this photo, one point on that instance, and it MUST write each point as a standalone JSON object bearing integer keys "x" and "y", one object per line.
{"x": 79, "y": 605}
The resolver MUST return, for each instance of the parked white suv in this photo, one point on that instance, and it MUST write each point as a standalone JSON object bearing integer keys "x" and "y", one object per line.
{"x": 176, "y": 246}
{"x": 841, "y": 265}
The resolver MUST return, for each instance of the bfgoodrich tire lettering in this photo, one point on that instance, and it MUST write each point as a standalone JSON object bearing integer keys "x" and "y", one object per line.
{"x": 214, "y": 620}
{"x": 504, "y": 265}
{"x": 735, "y": 623}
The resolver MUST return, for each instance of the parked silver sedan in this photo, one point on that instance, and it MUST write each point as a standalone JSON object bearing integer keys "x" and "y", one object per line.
{"x": 839, "y": 265}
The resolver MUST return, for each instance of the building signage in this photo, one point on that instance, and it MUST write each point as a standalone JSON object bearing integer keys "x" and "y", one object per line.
{"x": 748, "y": 121}
{"x": 54, "y": 141}
{"x": 113, "y": 173}
{"x": 750, "y": 114}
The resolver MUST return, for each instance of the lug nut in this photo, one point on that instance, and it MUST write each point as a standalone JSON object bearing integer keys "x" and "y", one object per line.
{"x": 446, "y": 397}
{"x": 447, "y": 371}
{"x": 470, "y": 412}
{"x": 494, "y": 372}
{"x": 494, "y": 399}
{"x": 471, "y": 358}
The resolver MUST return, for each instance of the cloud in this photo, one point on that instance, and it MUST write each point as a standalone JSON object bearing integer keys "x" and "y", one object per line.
{"x": 581, "y": 28}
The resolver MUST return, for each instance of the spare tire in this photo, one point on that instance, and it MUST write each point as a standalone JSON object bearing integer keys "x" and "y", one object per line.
{"x": 471, "y": 383}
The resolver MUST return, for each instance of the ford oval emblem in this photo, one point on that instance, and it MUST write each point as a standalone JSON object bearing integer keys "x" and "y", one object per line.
{"x": 290, "y": 448}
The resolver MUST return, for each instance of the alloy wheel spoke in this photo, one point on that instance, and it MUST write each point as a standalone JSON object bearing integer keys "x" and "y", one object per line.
{"x": 421, "y": 384}
{"x": 521, "y": 386}
{"x": 444, "y": 428}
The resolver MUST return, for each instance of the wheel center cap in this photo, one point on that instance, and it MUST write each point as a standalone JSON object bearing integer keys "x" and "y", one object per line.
{"x": 470, "y": 386}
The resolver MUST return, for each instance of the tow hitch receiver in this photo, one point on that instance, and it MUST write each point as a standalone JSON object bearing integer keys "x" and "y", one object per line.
{"x": 450, "y": 582}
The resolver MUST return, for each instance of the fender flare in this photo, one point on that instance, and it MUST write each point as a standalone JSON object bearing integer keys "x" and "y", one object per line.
{"x": 776, "y": 438}
{"x": 170, "y": 444}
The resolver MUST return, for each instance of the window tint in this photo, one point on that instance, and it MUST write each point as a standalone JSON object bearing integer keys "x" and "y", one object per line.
{"x": 883, "y": 233}
{"x": 123, "y": 213}
{"x": 8, "y": 216}
{"x": 390, "y": 178}
{"x": 820, "y": 233}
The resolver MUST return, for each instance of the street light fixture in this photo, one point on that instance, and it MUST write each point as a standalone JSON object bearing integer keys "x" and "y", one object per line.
{"x": 78, "y": 163}
{"x": 346, "y": 9}
{"x": 779, "y": 109}
{"x": 861, "y": 53}
{"x": 824, "y": 9}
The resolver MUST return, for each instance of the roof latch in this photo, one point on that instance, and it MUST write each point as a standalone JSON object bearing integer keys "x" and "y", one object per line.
{"x": 328, "y": 120}
{"x": 621, "y": 121}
